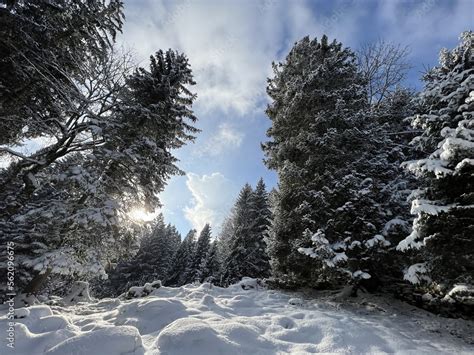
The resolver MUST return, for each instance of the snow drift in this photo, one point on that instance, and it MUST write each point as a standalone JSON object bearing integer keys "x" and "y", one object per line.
{"x": 242, "y": 319}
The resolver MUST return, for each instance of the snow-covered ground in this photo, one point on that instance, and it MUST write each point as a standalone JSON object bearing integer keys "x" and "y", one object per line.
{"x": 198, "y": 319}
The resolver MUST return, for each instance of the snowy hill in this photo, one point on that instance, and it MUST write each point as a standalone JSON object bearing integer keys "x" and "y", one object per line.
{"x": 200, "y": 319}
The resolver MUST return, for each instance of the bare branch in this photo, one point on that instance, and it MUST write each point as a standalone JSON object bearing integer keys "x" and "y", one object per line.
{"x": 384, "y": 67}
{"x": 19, "y": 155}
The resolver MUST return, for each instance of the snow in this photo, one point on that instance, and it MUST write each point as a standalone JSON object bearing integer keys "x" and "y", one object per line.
{"x": 425, "y": 206}
{"x": 359, "y": 274}
{"x": 390, "y": 225}
{"x": 23, "y": 299}
{"x": 120, "y": 340}
{"x": 461, "y": 293}
{"x": 245, "y": 318}
{"x": 377, "y": 240}
{"x": 419, "y": 167}
{"x": 412, "y": 241}
{"x": 141, "y": 291}
{"x": 465, "y": 163}
{"x": 295, "y": 301}
{"x": 416, "y": 273}
{"x": 79, "y": 293}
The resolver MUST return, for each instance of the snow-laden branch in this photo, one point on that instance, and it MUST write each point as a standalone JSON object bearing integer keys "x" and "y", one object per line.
{"x": 19, "y": 155}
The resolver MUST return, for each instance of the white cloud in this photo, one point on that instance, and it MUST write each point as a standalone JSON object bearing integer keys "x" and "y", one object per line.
{"x": 212, "y": 198}
{"x": 230, "y": 44}
{"x": 226, "y": 138}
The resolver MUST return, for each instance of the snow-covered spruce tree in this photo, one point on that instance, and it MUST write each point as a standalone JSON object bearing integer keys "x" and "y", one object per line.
{"x": 173, "y": 238}
{"x": 156, "y": 253}
{"x": 235, "y": 266}
{"x": 148, "y": 118}
{"x": 245, "y": 234}
{"x": 339, "y": 172}
{"x": 225, "y": 236}
{"x": 211, "y": 270}
{"x": 153, "y": 117}
{"x": 442, "y": 241}
{"x": 369, "y": 209}
{"x": 119, "y": 257}
{"x": 391, "y": 134}
{"x": 71, "y": 234}
{"x": 370, "y": 213}
{"x": 203, "y": 244}
{"x": 261, "y": 223}
{"x": 316, "y": 134}
{"x": 181, "y": 272}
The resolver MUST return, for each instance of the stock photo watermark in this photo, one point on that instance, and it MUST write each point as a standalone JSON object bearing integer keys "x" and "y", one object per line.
{"x": 10, "y": 294}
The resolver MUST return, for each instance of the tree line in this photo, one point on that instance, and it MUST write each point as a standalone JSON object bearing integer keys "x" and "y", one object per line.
{"x": 239, "y": 250}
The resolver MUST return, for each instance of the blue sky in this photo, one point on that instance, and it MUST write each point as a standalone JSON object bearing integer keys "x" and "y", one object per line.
{"x": 231, "y": 45}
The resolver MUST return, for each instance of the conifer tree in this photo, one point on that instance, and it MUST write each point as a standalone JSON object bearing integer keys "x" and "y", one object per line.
{"x": 181, "y": 271}
{"x": 318, "y": 98}
{"x": 442, "y": 239}
{"x": 212, "y": 265}
{"x": 43, "y": 47}
{"x": 244, "y": 235}
{"x": 153, "y": 261}
{"x": 202, "y": 250}
{"x": 225, "y": 236}
{"x": 261, "y": 221}
{"x": 235, "y": 265}
{"x": 344, "y": 185}
{"x": 374, "y": 216}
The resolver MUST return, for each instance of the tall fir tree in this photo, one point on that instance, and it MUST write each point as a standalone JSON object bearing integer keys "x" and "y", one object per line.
{"x": 261, "y": 221}
{"x": 442, "y": 241}
{"x": 182, "y": 270}
{"x": 211, "y": 270}
{"x": 236, "y": 265}
{"x": 244, "y": 236}
{"x": 344, "y": 185}
{"x": 318, "y": 98}
{"x": 202, "y": 249}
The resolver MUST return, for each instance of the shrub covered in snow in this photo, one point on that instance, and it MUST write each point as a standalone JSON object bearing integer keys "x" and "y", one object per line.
{"x": 79, "y": 293}
{"x": 248, "y": 283}
{"x": 141, "y": 291}
{"x": 463, "y": 294}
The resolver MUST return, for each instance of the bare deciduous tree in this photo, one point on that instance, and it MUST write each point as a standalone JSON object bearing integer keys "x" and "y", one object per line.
{"x": 384, "y": 66}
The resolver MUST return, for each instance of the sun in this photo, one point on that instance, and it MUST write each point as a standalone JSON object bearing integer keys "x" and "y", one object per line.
{"x": 141, "y": 215}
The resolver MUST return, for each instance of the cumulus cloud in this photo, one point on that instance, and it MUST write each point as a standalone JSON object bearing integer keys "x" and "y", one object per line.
{"x": 212, "y": 197}
{"x": 226, "y": 138}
